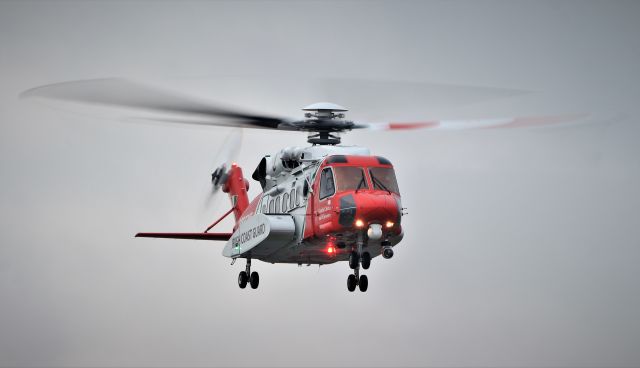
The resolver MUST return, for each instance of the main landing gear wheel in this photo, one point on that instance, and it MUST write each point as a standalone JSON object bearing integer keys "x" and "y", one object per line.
{"x": 353, "y": 260}
{"x": 363, "y": 283}
{"x": 366, "y": 260}
{"x": 242, "y": 279}
{"x": 247, "y": 276}
{"x": 352, "y": 282}
{"x": 254, "y": 280}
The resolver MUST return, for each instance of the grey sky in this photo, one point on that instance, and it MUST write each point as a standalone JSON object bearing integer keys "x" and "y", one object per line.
{"x": 521, "y": 248}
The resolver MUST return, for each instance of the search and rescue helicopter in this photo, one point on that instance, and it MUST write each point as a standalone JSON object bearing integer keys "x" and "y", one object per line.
{"x": 319, "y": 204}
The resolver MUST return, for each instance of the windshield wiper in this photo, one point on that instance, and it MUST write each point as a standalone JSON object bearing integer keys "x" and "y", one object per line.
{"x": 377, "y": 181}
{"x": 361, "y": 183}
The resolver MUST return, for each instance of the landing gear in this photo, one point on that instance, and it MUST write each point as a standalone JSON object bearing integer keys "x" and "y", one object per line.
{"x": 247, "y": 276}
{"x": 357, "y": 257}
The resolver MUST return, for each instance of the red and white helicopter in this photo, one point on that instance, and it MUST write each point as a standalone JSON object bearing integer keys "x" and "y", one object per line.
{"x": 319, "y": 204}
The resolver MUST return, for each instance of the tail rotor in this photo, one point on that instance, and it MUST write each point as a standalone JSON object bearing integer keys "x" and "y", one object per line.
{"x": 225, "y": 157}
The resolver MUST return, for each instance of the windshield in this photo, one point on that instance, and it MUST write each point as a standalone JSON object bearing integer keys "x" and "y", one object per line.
{"x": 350, "y": 178}
{"x": 383, "y": 178}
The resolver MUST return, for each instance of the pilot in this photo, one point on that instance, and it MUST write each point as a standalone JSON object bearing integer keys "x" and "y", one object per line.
{"x": 328, "y": 181}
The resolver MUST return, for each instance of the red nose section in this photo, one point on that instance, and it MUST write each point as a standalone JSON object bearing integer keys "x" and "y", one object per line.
{"x": 376, "y": 208}
{"x": 349, "y": 213}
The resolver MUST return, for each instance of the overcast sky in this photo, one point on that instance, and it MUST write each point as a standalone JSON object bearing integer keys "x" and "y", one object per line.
{"x": 521, "y": 246}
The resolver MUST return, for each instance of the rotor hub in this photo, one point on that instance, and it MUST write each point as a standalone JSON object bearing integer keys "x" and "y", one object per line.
{"x": 324, "y": 121}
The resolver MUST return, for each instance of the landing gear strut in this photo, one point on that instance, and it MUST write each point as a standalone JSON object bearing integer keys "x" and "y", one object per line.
{"x": 247, "y": 276}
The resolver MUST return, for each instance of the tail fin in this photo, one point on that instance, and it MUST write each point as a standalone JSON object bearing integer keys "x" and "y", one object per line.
{"x": 237, "y": 186}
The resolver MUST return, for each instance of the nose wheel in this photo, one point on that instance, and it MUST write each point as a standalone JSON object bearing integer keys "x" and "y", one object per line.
{"x": 365, "y": 260}
{"x": 355, "y": 280}
{"x": 247, "y": 277}
{"x": 363, "y": 283}
{"x": 352, "y": 282}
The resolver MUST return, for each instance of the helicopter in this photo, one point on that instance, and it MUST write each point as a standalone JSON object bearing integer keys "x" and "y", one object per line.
{"x": 319, "y": 204}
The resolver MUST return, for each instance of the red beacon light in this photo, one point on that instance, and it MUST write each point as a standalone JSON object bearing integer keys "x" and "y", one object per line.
{"x": 331, "y": 250}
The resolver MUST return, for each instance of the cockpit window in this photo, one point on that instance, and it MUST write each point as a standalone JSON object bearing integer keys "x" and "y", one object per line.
{"x": 350, "y": 178}
{"x": 327, "y": 187}
{"x": 384, "y": 178}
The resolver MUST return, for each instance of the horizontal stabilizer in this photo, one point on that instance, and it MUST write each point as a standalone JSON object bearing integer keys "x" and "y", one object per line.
{"x": 196, "y": 236}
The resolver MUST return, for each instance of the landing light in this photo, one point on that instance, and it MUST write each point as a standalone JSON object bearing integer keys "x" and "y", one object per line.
{"x": 389, "y": 224}
{"x": 359, "y": 223}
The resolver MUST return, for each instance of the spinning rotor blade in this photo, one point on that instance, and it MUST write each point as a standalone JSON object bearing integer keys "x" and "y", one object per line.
{"x": 176, "y": 108}
{"x": 225, "y": 157}
{"x": 127, "y": 94}
{"x": 463, "y": 124}
{"x": 382, "y": 99}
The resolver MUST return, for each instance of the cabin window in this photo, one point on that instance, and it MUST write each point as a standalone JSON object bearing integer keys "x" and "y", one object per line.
{"x": 265, "y": 200}
{"x": 271, "y": 203}
{"x": 297, "y": 194}
{"x": 293, "y": 198}
{"x": 350, "y": 178}
{"x": 327, "y": 186}
{"x": 384, "y": 178}
{"x": 277, "y": 209}
{"x": 285, "y": 202}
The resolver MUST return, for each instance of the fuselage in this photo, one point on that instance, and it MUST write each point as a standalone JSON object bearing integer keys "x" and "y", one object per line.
{"x": 318, "y": 203}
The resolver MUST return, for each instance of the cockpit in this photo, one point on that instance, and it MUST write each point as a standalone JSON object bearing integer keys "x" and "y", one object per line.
{"x": 338, "y": 179}
{"x": 356, "y": 193}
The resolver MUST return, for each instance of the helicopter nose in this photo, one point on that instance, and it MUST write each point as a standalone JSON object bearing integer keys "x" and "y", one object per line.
{"x": 363, "y": 209}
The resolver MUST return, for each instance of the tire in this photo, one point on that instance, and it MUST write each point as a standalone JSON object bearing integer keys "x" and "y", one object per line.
{"x": 351, "y": 282}
{"x": 353, "y": 260}
{"x": 242, "y": 280}
{"x": 254, "y": 280}
{"x": 366, "y": 260}
{"x": 364, "y": 283}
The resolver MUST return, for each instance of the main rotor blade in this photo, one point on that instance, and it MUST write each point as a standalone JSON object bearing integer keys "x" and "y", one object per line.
{"x": 464, "y": 124}
{"x": 127, "y": 94}
{"x": 382, "y": 100}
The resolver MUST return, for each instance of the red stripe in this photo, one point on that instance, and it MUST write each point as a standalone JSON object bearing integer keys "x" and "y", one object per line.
{"x": 416, "y": 125}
